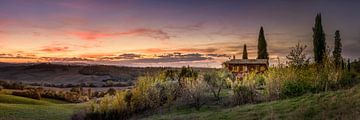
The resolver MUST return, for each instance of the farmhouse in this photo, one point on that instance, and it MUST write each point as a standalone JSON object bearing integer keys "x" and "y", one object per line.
{"x": 241, "y": 67}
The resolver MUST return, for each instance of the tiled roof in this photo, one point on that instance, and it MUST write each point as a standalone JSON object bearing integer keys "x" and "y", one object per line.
{"x": 247, "y": 61}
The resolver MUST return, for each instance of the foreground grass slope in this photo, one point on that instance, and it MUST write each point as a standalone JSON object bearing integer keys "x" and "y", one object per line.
{"x": 341, "y": 104}
{"x": 20, "y": 108}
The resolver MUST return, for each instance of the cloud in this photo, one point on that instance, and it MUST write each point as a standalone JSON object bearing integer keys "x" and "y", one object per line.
{"x": 17, "y": 56}
{"x": 175, "y": 57}
{"x": 53, "y": 49}
{"x": 217, "y": 55}
{"x": 192, "y": 27}
{"x": 152, "y": 33}
{"x": 127, "y": 56}
{"x": 92, "y": 35}
{"x": 96, "y": 55}
{"x": 71, "y": 59}
{"x": 182, "y": 50}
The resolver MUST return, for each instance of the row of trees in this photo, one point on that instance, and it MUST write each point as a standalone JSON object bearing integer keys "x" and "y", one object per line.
{"x": 296, "y": 56}
{"x": 262, "y": 47}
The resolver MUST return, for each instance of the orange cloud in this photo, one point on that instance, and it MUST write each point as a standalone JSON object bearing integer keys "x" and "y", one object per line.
{"x": 54, "y": 49}
{"x": 96, "y": 55}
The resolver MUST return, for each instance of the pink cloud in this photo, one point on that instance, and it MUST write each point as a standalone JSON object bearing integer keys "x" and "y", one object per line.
{"x": 184, "y": 50}
{"x": 94, "y": 35}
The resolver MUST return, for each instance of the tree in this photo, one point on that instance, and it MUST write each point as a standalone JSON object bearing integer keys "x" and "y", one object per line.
{"x": 337, "y": 50}
{"x": 111, "y": 91}
{"x": 319, "y": 40}
{"x": 245, "y": 55}
{"x": 216, "y": 80}
{"x": 296, "y": 57}
{"x": 262, "y": 50}
{"x": 349, "y": 65}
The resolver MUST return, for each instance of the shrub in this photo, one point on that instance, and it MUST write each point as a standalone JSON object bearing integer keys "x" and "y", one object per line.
{"x": 286, "y": 82}
{"x": 293, "y": 88}
{"x": 73, "y": 97}
{"x": 13, "y": 85}
{"x": 194, "y": 92}
{"x": 244, "y": 90}
{"x": 149, "y": 92}
{"x": 348, "y": 79}
{"x": 216, "y": 80}
{"x": 34, "y": 93}
{"x": 244, "y": 94}
{"x": 111, "y": 91}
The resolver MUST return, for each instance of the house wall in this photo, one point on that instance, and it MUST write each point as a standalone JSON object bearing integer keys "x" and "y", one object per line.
{"x": 245, "y": 68}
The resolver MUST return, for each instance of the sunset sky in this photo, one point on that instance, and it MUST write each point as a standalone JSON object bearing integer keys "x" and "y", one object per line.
{"x": 199, "y": 33}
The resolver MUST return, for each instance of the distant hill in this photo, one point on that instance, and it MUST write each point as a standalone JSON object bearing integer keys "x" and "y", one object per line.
{"x": 46, "y": 73}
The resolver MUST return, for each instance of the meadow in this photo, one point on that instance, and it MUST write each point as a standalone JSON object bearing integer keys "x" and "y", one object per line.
{"x": 22, "y": 108}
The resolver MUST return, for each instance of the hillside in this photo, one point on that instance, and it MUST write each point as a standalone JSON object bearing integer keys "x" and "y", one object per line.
{"x": 57, "y": 74}
{"x": 20, "y": 108}
{"x": 342, "y": 104}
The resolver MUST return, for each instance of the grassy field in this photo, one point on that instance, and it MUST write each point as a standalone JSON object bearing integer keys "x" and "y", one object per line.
{"x": 21, "y": 108}
{"x": 342, "y": 104}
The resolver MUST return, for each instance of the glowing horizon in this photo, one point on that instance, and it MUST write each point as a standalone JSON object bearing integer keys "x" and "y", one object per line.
{"x": 164, "y": 33}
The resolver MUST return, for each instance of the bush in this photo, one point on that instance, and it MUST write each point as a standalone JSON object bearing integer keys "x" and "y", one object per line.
{"x": 244, "y": 94}
{"x": 73, "y": 96}
{"x": 348, "y": 79}
{"x": 194, "y": 92}
{"x": 149, "y": 92}
{"x": 111, "y": 91}
{"x": 34, "y": 93}
{"x": 244, "y": 90}
{"x": 294, "y": 88}
{"x": 13, "y": 85}
{"x": 287, "y": 82}
{"x": 216, "y": 80}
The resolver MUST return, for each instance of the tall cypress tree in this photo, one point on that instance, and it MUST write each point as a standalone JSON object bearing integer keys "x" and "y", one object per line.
{"x": 349, "y": 65}
{"x": 337, "y": 49}
{"x": 319, "y": 40}
{"x": 262, "y": 50}
{"x": 245, "y": 55}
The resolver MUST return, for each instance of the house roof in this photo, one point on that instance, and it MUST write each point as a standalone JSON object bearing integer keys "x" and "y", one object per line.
{"x": 248, "y": 61}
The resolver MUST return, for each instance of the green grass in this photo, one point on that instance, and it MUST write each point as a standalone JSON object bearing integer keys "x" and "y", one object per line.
{"x": 10, "y": 99}
{"x": 21, "y": 108}
{"x": 342, "y": 104}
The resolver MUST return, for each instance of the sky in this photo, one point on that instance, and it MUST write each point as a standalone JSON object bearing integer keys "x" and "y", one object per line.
{"x": 174, "y": 33}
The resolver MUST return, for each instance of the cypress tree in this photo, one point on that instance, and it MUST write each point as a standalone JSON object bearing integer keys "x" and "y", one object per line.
{"x": 245, "y": 55}
{"x": 262, "y": 50}
{"x": 349, "y": 65}
{"x": 319, "y": 40}
{"x": 337, "y": 49}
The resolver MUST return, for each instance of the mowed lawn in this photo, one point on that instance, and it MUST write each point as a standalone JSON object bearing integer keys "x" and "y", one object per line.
{"x": 21, "y": 108}
{"x": 341, "y": 104}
